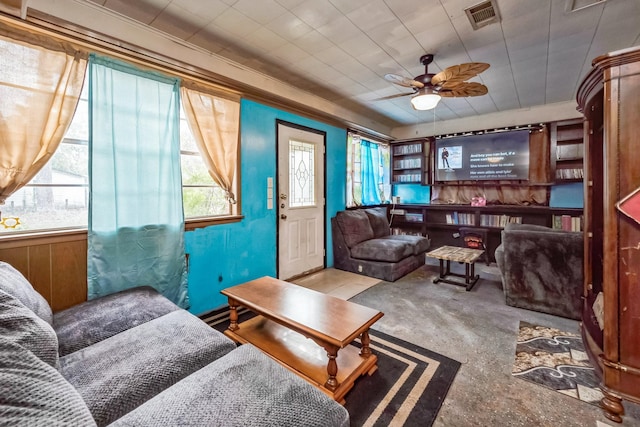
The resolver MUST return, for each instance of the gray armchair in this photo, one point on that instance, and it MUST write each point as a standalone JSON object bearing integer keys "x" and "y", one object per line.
{"x": 541, "y": 269}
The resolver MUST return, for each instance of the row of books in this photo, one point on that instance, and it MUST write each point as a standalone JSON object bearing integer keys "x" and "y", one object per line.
{"x": 499, "y": 220}
{"x": 406, "y": 163}
{"x": 409, "y": 177}
{"x": 407, "y": 149}
{"x": 575, "y": 173}
{"x": 401, "y": 232}
{"x": 568, "y": 222}
{"x": 461, "y": 218}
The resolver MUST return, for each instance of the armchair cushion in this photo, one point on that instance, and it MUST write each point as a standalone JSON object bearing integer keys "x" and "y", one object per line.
{"x": 379, "y": 221}
{"x": 386, "y": 250}
{"x": 419, "y": 244}
{"x": 355, "y": 226}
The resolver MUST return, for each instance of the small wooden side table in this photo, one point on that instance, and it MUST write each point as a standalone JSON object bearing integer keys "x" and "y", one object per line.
{"x": 457, "y": 254}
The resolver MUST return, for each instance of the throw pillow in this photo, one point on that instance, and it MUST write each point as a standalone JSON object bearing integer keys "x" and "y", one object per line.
{"x": 15, "y": 284}
{"x": 20, "y": 325}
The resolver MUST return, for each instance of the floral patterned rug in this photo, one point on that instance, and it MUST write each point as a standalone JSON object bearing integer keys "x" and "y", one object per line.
{"x": 557, "y": 360}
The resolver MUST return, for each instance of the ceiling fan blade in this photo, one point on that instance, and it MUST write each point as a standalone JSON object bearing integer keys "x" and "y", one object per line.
{"x": 463, "y": 89}
{"x": 459, "y": 73}
{"x": 402, "y": 81}
{"x": 397, "y": 95}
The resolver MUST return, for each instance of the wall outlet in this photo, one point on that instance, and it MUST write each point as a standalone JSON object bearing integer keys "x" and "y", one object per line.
{"x": 395, "y": 199}
{"x": 359, "y": 269}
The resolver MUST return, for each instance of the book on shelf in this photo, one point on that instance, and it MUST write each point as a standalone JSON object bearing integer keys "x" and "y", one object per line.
{"x": 407, "y": 149}
{"x": 401, "y": 232}
{"x": 499, "y": 220}
{"x": 573, "y": 173}
{"x": 567, "y": 222}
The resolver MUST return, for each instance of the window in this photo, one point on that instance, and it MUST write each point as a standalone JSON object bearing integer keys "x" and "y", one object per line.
{"x": 201, "y": 196}
{"x": 355, "y": 170}
{"x": 58, "y": 196}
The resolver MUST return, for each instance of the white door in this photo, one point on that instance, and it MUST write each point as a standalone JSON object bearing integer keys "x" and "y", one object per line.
{"x": 300, "y": 201}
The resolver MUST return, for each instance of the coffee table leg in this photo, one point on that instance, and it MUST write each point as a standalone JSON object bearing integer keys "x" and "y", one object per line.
{"x": 332, "y": 368}
{"x": 233, "y": 315}
{"x": 365, "y": 351}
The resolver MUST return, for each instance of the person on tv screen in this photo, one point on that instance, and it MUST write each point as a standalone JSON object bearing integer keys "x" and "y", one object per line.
{"x": 445, "y": 157}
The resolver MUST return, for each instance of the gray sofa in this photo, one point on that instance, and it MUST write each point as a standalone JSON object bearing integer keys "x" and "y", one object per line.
{"x": 541, "y": 269}
{"x": 136, "y": 359}
{"x": 362, "y": 244}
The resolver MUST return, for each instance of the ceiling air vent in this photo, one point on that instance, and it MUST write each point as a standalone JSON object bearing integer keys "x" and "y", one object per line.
{"x": 482, "y": 14}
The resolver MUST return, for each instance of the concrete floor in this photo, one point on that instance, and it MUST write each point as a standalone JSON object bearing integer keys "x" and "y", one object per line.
{"x": 479, "y": 330}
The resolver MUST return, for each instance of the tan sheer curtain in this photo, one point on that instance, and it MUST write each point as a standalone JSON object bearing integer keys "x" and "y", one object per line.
{"x": 214, "y": 120}
{"x": 40, "y": 85}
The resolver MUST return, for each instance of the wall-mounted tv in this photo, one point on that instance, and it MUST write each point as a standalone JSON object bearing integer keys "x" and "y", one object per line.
{"x": 489, "y": 156}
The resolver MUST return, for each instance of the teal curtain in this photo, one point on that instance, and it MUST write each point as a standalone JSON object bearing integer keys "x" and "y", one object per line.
{"x": 136, "y": 221}
{"x": 370, "y": 172}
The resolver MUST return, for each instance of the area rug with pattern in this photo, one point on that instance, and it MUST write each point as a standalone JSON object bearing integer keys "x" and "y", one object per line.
{"x": 557, "y": 360}
{"x": 407, "y": 389}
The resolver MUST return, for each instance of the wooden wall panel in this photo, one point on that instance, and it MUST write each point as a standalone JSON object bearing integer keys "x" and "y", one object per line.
{"x": 69, "y": 277}
{"x": 56, "y": 265}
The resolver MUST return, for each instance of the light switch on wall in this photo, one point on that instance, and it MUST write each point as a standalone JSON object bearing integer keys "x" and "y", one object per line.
{"x": 269, "y": 192}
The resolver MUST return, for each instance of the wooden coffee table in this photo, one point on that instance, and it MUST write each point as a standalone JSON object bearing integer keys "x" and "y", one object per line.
{"x": 304, "y": 329}
{"x": 457, "y": 254}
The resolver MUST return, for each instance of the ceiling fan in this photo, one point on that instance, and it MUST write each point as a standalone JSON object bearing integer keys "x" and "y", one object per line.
{"x": 450, "y": 82}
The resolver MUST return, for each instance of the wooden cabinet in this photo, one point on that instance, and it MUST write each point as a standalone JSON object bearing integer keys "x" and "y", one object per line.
{"x": 567, "y": 150}
{"x": 443, "y": 223}
{"x": 410, "y": 162}
{"x": 609, "y": 97}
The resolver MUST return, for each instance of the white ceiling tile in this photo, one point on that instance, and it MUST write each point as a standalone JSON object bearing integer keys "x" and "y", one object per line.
{"x": 236, "y": 23}
{"x": 313, "y": 42}
{"x": 316, "y": 13}
{"x": 143, "y": 13}
{"x": 263, "y": 11}
{"x": 289, "y": 26}
{"x": 183, "y": 28}
{"x": 339, "y": 30}
{"x": 289, "y": 53}
{"x": 264, "y": 40}
{"x": 208, "y": 10}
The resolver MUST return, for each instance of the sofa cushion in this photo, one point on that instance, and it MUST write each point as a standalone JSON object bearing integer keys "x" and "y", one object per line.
{"x": 420, "y": 244}
{"x": 355, "y": 226}
{"x": 243, "y": 388}
{"x": 95, "y": 320}
{"x": 34, "y": 393}
{"x": 379, "y": 221}
{"x": 20, "y": 325}
{"x": 386, "y": 250}
{"x": 15, "y": 284}
{"x": 117, "y": 374}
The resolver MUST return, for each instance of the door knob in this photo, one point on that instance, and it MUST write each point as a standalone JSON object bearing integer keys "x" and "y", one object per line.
{"x": 283, "y": 216}
{"x": 283, "y": 196}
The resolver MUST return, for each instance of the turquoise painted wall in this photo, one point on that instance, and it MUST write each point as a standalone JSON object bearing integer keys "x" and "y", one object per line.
{"x": 226, "y": 255}
{"x": 570, "y": 195}
{"x": 413, "y": 193}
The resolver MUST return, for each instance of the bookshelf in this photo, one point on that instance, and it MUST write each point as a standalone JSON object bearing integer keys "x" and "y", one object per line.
{"x": 410, "y": 162}
{"x": 567, "y": 150}
{"x": 442, "y": 223}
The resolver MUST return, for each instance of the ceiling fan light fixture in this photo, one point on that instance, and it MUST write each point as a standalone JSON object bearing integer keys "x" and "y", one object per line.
{"x": 426, "y": 99}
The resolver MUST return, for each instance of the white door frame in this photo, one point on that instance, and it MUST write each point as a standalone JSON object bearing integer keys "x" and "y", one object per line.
{"x": 278, "y": 201}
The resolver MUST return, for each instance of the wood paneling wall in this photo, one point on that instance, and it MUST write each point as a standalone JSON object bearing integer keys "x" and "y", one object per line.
{"x": 56, "y": 265}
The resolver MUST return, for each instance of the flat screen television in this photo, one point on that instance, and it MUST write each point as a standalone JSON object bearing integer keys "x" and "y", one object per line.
{"x": 489, "y": 156}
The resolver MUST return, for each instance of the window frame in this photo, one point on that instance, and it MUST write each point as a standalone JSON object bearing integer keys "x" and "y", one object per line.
{"x": 172, "y": 68}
